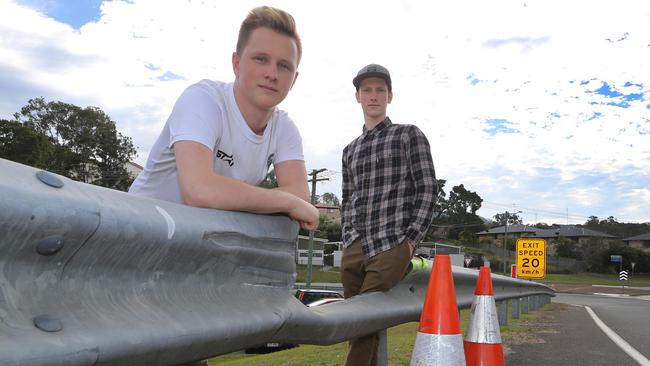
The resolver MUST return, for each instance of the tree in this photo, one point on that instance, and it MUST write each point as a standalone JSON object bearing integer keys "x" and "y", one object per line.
{"x": 442, "y": 205}
{"x": 24, "y": 145}
{"x": 512, "y": 218}
{"x": 330, "y": 199}
{"x": 86, "y": 144}
{"x": 270, "y": 181}
{"x": 462, "y": 201}
{"x": 458, "y": 212}
{"x": 611, "y": 226}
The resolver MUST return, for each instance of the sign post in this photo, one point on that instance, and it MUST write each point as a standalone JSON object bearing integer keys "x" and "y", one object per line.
{"x": 622, "y": 276}
{"x": 531, "y": 258}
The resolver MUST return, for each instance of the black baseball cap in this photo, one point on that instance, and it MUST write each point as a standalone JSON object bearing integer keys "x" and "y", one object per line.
{"x": 372, "y": 70}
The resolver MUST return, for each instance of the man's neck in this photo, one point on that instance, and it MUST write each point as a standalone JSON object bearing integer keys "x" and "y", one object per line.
{"x": 255, "y": 118}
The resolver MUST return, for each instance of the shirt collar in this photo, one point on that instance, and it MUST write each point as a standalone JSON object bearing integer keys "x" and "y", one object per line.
{"x": 380, "y": 126}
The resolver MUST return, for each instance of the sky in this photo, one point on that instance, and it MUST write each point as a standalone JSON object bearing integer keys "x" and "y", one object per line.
{"x": 538, "y": 106}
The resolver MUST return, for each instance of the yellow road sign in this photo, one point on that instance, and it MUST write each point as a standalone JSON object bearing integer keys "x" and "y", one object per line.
{"x": 531, "y": 258}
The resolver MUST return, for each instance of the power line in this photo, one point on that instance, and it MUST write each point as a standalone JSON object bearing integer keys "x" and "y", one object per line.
{"x": 554, "y": 214}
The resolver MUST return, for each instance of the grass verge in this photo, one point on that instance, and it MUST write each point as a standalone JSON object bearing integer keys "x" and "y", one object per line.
{"x": 400, "y": 345}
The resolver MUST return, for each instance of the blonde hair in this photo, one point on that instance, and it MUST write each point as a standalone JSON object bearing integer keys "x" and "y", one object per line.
{"x": 272, "y": 18}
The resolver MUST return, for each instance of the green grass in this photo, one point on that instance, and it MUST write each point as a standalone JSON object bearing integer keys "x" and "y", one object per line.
{"x": 400, "y": 346}
{"x": 317, "y": 274}
{"x": 333, "y": 276}
{"x": 595, "y": 279}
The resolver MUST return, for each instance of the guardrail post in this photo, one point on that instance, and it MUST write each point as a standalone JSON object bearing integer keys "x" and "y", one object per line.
{"x": 516, "y": 306}
{"x": 503, "y": 312}
{"x": 382, "y": 352}
{"x": 526, "y": 301}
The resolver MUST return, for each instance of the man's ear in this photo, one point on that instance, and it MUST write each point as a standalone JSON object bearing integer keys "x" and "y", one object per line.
{"x": 356, "y": 94}
{"x": 235, "y": 63}
{"x": 390, "y": 97}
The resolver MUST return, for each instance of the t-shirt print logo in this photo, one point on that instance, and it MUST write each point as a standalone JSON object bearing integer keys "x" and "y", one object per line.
{"x": 225, "y": 157}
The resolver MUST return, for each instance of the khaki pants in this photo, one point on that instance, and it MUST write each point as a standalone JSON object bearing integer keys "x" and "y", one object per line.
{"x": 360, "y": 275}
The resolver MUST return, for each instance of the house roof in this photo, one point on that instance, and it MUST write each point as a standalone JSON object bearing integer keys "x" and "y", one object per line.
{"x": 645, "y": 236}
{"x": 563, "y": 230}
{"x": 517, "y": 228}
{"x": 325, "y": 205}
{"x": 570, "y": 231}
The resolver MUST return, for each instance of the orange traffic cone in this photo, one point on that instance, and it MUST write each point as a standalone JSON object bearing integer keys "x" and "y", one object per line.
{"x": 439, "y": 340}
{"x": 483, "y": 340}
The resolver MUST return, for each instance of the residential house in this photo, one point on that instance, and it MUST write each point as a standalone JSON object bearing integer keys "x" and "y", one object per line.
{"x": 329, "y": 212}
{"x": 513, "y": 231}
{"x": 133, "y": 169}
{"x": 640, "y": 241}
{"x": 575, "y": 233}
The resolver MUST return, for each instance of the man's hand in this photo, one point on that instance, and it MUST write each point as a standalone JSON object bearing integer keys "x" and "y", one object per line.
{"x": 306, "y": 214}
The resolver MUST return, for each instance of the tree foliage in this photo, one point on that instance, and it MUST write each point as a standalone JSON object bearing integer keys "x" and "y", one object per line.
{"x": 24, "y": 145}
{"x": 511, "y": 217}
{"x": 79, "y": 143}
{"x": 330, "y": 199}
{"x": 457, "y": 213}
{"x": 621, "y": 230}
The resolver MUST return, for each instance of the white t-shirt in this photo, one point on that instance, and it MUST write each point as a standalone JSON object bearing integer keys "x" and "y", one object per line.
{"x": 207, "y": 113}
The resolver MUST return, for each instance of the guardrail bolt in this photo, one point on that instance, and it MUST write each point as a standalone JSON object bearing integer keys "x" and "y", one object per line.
{"x": 50, "y": 245}
{"x": 49, "y": 179}
{"x": 48, "y": 324}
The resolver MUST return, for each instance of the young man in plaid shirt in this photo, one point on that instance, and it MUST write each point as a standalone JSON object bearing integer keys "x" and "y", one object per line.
{"x": 389, "y": 190}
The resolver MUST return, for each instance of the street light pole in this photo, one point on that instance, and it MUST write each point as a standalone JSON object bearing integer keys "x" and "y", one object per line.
{"x": 505, "y": 244}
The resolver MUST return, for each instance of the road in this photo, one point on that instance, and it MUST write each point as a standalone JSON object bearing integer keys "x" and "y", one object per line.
{"x": 628, "y": 317}
{"x": 568, "y": 335}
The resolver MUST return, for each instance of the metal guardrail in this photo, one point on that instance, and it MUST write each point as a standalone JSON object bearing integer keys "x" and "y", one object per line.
{"x": 93, "y": 276}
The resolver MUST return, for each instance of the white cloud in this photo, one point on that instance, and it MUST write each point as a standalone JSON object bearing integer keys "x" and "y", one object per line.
{"x": 528, "y": 58}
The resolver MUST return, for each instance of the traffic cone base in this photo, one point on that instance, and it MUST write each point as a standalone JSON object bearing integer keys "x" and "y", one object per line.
{"x": 438, "y": 350}
{"x": 484, "y": 354}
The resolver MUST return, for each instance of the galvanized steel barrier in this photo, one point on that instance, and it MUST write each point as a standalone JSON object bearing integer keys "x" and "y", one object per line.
{"x": 93, "y": 276}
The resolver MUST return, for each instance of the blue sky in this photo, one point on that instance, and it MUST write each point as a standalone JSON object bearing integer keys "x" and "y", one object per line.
{"x": 75, "y": 13}
{"x": 539, "y": 106}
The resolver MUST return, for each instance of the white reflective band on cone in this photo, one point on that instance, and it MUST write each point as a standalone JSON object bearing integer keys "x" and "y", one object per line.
{"x": 483, "y": 322}
{"x": 438, "y": 350}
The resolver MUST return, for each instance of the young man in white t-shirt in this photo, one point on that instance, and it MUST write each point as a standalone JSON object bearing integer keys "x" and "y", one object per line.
{"x": 221, "y": 138}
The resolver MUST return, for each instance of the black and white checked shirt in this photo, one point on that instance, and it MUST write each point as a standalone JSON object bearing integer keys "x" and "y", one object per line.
{"x": 389, "y": 187}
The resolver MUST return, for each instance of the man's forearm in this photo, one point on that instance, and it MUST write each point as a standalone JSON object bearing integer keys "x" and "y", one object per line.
{"x": 234, "y": 195}
{"x": 296, "y": 190}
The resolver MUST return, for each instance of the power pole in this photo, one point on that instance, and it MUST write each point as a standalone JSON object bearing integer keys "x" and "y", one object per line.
{"x": 314, "y": 179}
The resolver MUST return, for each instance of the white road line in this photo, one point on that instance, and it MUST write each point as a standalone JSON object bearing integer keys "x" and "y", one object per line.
{"x": 636, "y": 355}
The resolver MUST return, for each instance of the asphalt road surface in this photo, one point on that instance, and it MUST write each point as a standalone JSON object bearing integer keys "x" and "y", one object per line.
{"x": 629, "y": 317}
{"x": 568, "y": 335}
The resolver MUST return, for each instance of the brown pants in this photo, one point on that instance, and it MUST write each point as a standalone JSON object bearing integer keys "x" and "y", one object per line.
{"x": 360, "y": 275}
